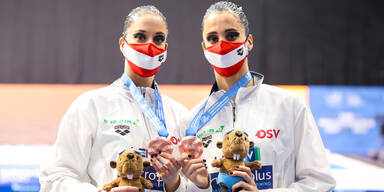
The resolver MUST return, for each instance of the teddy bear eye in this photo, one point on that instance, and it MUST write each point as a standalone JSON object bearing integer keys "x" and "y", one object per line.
{"x": 137, "y": 157}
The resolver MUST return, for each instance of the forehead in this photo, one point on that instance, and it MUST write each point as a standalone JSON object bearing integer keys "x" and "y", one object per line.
{"x": 148, "y": 22}
{"x": 220, "y": 21}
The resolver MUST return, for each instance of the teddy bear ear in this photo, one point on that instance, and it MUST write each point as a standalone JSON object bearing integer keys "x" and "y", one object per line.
{"x": 146, "y": 164}
{"x": 219, "y": 144}
{"x": 112, "y": 164}
{"x": 251, "y": 144}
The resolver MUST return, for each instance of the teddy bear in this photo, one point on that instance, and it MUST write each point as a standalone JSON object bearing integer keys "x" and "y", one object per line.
{"x": 129, "y": 167}
{"x": 235, "y": 147}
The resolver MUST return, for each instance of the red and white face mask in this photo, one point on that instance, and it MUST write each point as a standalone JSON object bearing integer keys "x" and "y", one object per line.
{"x": 144, "y": 59}
{"x": 226, "y": 57}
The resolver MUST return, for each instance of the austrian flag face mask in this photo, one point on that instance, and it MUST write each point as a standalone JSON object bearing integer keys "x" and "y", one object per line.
{"x": 226, "y": 57}
{"x": 144, "y": 59}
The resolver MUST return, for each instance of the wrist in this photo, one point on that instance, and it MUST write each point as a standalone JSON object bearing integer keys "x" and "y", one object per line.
{"x": 204, "y": 185}
{"x": 172, "y": 185}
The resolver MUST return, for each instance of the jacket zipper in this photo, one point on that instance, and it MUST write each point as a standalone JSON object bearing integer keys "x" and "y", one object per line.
{"x": 234, "y": 113}
{"x": 146, "y": 123}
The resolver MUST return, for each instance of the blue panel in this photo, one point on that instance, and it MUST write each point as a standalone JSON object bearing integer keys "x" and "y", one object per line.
{"x": 348, "y": 117}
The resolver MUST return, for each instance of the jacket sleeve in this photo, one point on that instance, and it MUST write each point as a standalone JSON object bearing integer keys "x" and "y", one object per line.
{"x": 312, "y": 167}
{"x": 68, "y": 169}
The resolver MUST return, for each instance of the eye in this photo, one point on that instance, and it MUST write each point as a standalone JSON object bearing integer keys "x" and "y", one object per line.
{"x": 212, "y": 39}
{"x": 137, "y": 157}
{"x": 232, "y": 35}
{"x": 159, "y": 39}
{"x": 140, "y": 36}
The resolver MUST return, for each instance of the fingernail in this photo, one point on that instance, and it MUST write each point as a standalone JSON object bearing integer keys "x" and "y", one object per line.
{"x": 204, "y": 160}
{"x": 189, "y": 155}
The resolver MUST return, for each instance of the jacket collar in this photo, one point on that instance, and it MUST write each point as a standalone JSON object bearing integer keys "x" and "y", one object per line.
{"x": 146, "y": 91}
{"x": 257, "y": 81}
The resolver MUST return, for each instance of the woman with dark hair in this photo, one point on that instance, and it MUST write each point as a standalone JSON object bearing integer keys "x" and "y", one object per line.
{"x": 279, "y": 122}
{"x": 129, "y": 113}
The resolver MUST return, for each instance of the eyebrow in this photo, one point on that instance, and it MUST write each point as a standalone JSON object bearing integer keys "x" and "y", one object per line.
{"x": 212, "y": 33}
{"x": 141, "y": 31}
{"x": 159, "y": 33}
{"x": 228, "y": 30}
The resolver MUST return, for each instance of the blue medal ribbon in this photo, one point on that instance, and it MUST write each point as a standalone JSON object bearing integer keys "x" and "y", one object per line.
{"x": 202, "y": 118}
{"x": 156, "y": 118}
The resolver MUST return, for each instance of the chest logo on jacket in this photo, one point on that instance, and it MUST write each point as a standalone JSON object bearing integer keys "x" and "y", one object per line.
{"x": 122, "y": 126}
{"x": 206, "y": 135}
{"x": 268, "y": 134}
{"x": 122, "y": 129}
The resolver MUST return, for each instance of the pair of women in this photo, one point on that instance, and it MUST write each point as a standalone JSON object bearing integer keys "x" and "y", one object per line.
{"x": 100, "y": 122}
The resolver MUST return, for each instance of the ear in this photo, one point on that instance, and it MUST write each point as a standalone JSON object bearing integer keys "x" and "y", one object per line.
{"x": 219, "y": 144}
{"x": 250, "y": 42}
{"x": 146, "y": 164}
{"x": 251, "y": 144}
{"x": 203, "y": 45}
{"x": 112, "y": 164}
{"x": 166, "y": 46}
{"x": 122, "y": 43}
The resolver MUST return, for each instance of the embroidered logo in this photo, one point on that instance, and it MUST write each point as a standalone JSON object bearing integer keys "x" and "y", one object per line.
{"x": 122, "y": 129}
{"x": 206, "y": 135}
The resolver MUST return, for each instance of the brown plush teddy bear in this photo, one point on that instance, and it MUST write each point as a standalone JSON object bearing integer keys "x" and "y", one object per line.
{"x": 235, "y": 147}
{"x": 129, "y": 167}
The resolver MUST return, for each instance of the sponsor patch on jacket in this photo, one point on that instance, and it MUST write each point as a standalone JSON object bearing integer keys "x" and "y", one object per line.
{"x": 263, "y": 178}
{"x": 151, "y": 174}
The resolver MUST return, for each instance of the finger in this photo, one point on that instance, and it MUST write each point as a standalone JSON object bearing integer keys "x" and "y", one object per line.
{"x": 244, "y": 169}
{"x": 194, "y": 167}
{"x": 171, "y": 159}
{"x": 182, "y": 160}
{"x": 166, "y": 163}
{"x": 189, "y": 163}
{"x": 158, "y": 166}
{"x": 125, "y": 189}
{"x": 200, "y": 171}
{"x": 241, "y": 186}
{"x": 244, "y": 175}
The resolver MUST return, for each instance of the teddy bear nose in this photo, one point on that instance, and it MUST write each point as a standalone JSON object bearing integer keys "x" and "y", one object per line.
{"x": 239, "y": 134}
{"x": 130, "y": 156}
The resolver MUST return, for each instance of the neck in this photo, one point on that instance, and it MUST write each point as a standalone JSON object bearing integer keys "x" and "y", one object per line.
{"x": 139, "y": 81}
{"x": 225, "y": 83}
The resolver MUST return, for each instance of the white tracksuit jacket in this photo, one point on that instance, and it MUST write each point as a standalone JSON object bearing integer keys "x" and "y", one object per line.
{"x": 282, "y": 126}
{"x": 96, "y": 127}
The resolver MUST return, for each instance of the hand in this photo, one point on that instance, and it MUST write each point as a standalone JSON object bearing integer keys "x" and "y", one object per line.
{"x": 246, "y": 174}
{"x": 123, "y": 189}
{"x": 195, "y": 170}
{"x": 168, "y": 167}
